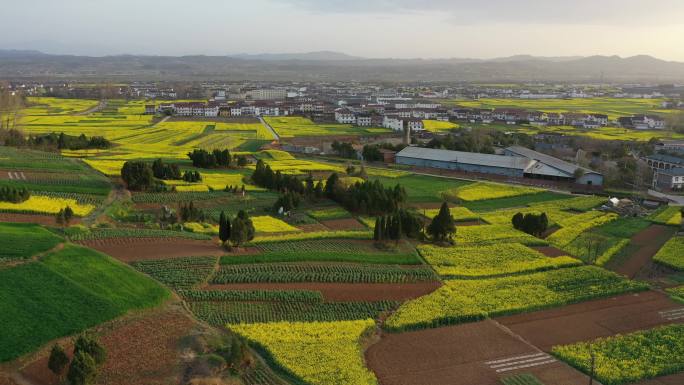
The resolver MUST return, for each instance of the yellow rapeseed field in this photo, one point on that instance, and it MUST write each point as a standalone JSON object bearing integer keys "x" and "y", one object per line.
{"x": 47, "y": 205}
{"x": 320, "y": 353}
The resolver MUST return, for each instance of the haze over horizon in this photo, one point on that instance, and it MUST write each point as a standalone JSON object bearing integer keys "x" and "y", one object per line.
{"x": 381, "y": 29}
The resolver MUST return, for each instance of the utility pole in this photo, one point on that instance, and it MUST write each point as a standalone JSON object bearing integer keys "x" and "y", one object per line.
{"x": 593, "y": 366}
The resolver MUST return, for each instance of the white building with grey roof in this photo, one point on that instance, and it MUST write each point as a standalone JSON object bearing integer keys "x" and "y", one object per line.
{"x": 517, "y": 162}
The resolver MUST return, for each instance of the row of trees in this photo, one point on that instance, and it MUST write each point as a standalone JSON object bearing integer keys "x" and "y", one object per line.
{"x": 190, "y": 213}
{"x": 82, "y": 369}
{"x": 14, "y": 194}
{"x": 238, "y": 231}
{"x": 533, "y": 224}
{"x": 192, "y": 176}
{"x": 216, "y": 159}
{"x": 166, "y": 171}
{"x": 397, "y": 225}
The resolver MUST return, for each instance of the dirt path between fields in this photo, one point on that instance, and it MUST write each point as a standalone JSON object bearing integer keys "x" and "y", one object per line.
{"x": 648, "y": 241}
{"x": 268, "y": 127}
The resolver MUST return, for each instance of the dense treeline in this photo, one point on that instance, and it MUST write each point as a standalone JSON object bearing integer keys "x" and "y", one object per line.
{"x": 343, "y": 149}
{"x": 137, "y": 175}
{"x": 52, "y": 141}
{"x": 264, "y": 176}
{"x": 14, "y": 194}
{"x": 190, "y": 213}
{"x": 141, "y": 176}
{"x": 192, "y": 176}
{"x": 216, "y": 159}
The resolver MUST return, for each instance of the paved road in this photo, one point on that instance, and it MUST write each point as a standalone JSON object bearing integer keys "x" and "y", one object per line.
{"x": 275, "y": 134}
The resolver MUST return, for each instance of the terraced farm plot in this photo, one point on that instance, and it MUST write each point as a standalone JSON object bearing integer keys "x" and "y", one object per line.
{"x": 672, "y": 254}
{"x": 317, "y": 353}
{"x": 469, "y": 300}
{"x": 329, "y": 213}
{"x": 489, "y": 234}
{"x": 515, "y": 201}
{"x": 313, "y": 235}
{"x": 490, "y": 260}
{"x": 269, "y": 224}
{"x": 629, "y": 358}
{"x": 71, "y": 290}
{"x": 23, "y": 240}
{"x": 288, "y": 127}
{"x": 438, "y": 125}
{"x": 486, "y": 190}
{"x": 178, "y": 273}
{"x": 108, "y": 233}
{"x": 41, "y": 204}
{"x": 422, "y": 188}
{"x": 58, "y": 106}
{"x": 321, "y": 273}
{"x": 327, "y": 250}
{"x": 220, "y": 313}
{"x": 671, "y": 216}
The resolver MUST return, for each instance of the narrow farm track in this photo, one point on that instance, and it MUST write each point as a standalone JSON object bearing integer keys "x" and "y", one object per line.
{"x": 101, "y": 106}
{"x": 648, "y": 242}
{"x": 268, "y": 126}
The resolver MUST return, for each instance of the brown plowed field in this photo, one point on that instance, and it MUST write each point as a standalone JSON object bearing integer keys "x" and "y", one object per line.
{"x": 47, "y": 220}
{"x": 142, "y": 349}
{"x": 137, "y": 249}
{"x": 648, "y": 241}
{"x": 550, "y": 251}
{"x": 343, "y": 224}
{"x": 589, "y": 320}
{"x": 456, "y": 355}
{"x": 345, "y": 292}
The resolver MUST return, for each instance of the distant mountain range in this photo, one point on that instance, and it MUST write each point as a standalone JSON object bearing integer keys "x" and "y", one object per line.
{"x": 330, "y": 66}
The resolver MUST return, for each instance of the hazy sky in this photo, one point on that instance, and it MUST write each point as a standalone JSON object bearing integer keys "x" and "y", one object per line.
{"x": 371, "y": 28}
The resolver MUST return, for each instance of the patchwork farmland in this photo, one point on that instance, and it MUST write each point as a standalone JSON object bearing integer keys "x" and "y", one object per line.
{"x": 194, "y": 253}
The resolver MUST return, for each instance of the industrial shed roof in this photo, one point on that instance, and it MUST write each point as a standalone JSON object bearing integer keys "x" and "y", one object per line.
{"x": 566, "y": 167}
{"x": 474, "y": 158}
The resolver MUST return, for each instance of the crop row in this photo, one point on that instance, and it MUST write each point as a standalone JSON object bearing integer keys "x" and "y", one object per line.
{"x": 322, "y": 273}
{"x": 178, "y": 273}
{"x": 105, "y": 233}
{"x": 252, "y": 295}
{"x": 222, "y": 313}
{"x": 468, "y": 300}
{"x": 323, "y": 255}
{"x": 629, "y": 358}
{"x": 301, "y": 236}
{"x": 670, "y": 216}
{"x": 331, "y": 245}
{"x": 489, "y": 234}
{"x": 178, "y": 196}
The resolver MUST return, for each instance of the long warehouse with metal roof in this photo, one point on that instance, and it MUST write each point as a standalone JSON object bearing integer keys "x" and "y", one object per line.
{"x": 517, "y": 162}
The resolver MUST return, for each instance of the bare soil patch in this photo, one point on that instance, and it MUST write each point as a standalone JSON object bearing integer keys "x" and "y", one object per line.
{"x": 137, "y": 249}
{"x": 47, "y": 220}
{"x": 550, "y": 251}
{"x": 456, "y": 355}
{"x": 673, "y": 379}
{"x": 345, "y": 292}
{"x": 589, "y": 320}
{"x": 141, "y": 349}
{"x": 648, "y": 241}
{"x": 343, "y": 224}
{"x": 312, "y": 227}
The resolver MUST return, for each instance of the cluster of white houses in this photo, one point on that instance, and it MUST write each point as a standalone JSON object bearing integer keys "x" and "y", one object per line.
{"x": 539, "y": 118}
{"x": 240, "y": 109}
{"x": 518, "y": 162}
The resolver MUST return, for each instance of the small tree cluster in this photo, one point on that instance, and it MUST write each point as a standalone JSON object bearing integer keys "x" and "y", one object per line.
{"x": 264, "y": 176}
{"x": 533, "y": 224}
{"x": 242, "y": 229}
{"x": 192, "y": 176}
{"x": 367, "y": 197}
{"x": 14, "y": 194}
{"x": 442, "y": 228}
{"x": 162, "y": 170}
{"x": 190, "y": 213}
{"x": 287, "y": 201}
{"x": 395, "y": 226}
{"x": 64, "y": 216}
{"x": 224, "y": 228}
{"x": 88, "y": 355}
{"x": 235, "y": 189}
{"x": 344, "y": 149}
{"x": 371, "y": 152}
{"x": 137, "y": 175}
{"x": 215, "y": 159}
